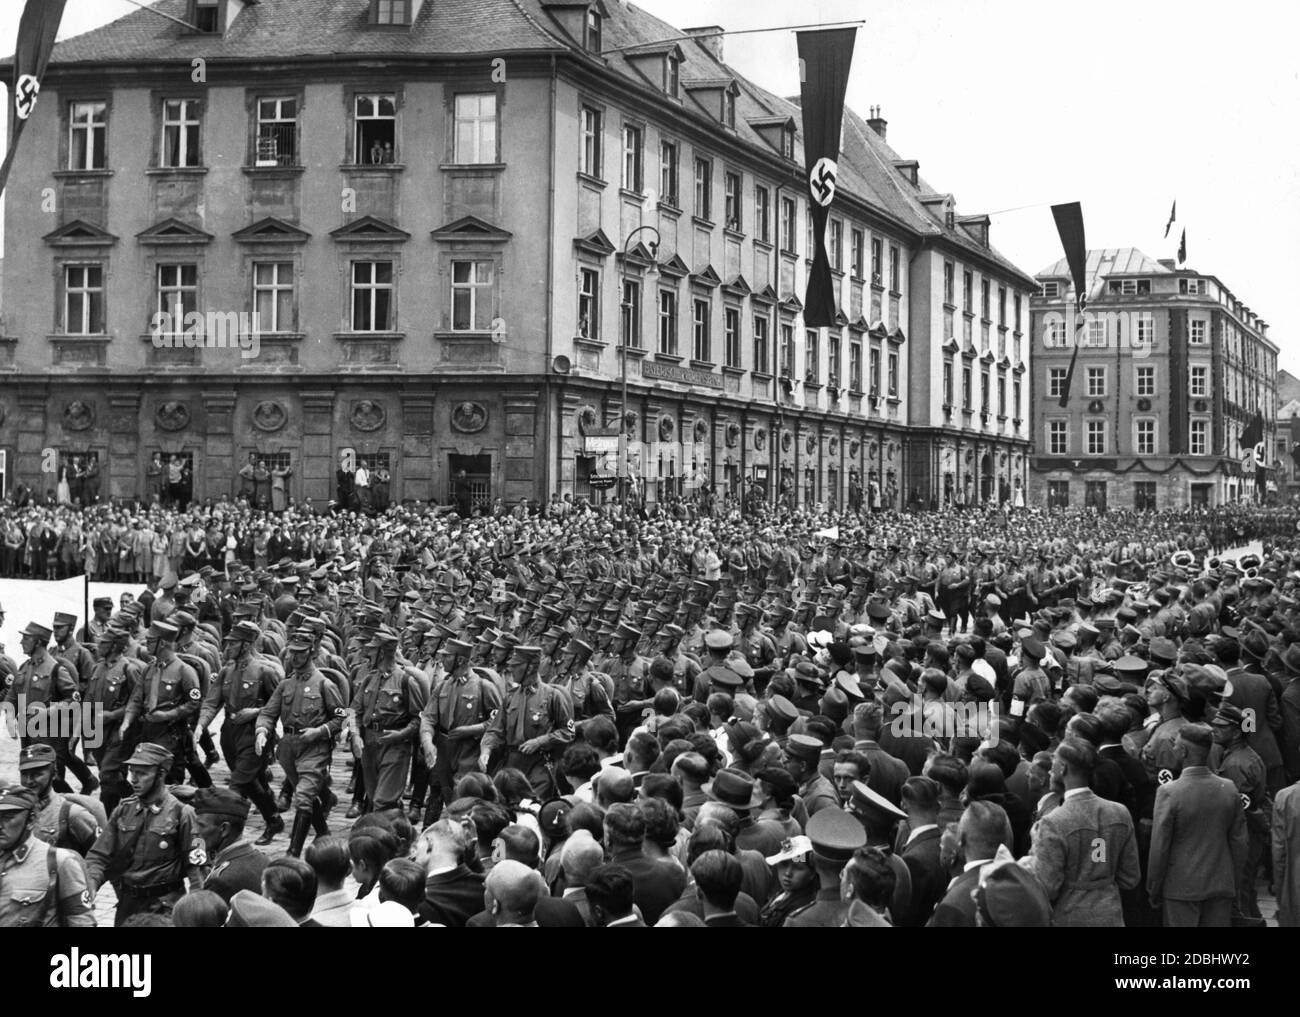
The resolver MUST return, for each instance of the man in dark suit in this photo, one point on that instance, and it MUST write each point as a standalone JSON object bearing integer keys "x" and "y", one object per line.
{"x": 717, "y": 878}
{"x": 656, "y": 885}
{"x": 1198, "y": 839}
{"x": 887, "y": 772}
{"x": 519, "y": 844}
{"x": 610, "y": 894}
{"x": 983, "y": 826}
{"x": 920, "y": 852}
{"x": 452, "y": 893}
{"x": 1253, "y": 692}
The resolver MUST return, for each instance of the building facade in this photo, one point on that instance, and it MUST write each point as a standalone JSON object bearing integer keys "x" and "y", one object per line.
{"x": 432, "y": 255}
{"x": 1171, "y": 369}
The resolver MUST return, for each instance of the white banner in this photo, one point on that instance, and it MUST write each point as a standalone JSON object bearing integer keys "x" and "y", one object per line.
{"x": 35, "y": 600}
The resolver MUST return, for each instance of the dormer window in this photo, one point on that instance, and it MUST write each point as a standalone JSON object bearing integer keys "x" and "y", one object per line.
{"x": 729, "y": 108}
{"x": 207, "y": 16}
{"x": 787, "y": 143}
{"x": 390, "y": 12}
{"x": 672, "y": 76}
{"x": 592, "y": 33}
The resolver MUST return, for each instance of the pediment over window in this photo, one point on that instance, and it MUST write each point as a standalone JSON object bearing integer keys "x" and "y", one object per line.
{"x": 80, "y": 233}
{"x": 471, "y": 227}
{"x": 173, "y": 231}
{"x": 272, "y": 231}
{"x": 674, "y": 268}
{"x": 369, "y": 228}
{"x": 737, "y": 287}
{"x": 595, "y": 243}
{"x": 706, "y": 277}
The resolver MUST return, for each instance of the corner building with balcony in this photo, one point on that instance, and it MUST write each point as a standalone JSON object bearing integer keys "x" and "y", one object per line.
{"x": 441, "y": 215}
{"x": 1172, "y": 368}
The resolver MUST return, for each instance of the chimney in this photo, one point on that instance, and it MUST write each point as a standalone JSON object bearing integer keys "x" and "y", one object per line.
{"x": 877, "y": 123}
{"x": 710, "y": 37}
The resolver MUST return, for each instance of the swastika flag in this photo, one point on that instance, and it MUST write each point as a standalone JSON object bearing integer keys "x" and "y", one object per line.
{"x": 36, "y": 31}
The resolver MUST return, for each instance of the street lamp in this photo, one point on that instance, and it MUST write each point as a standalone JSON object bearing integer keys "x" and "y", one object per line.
{"x": 624, "y": 479}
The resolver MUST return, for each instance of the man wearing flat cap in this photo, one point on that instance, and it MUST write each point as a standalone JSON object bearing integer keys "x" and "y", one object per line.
{"x": 452, "y": 724}
{"x": 244, "y": 685}
{"x": 1198, "y": 840}
{"x": 533, "y": 725}
{"x": 41, "y": 886}
{"x": 165, "y": 701}
{"x": 150, "y": 847}
{"x": 1234, "y": 759}
{"x": 234, "y": 863}
{"x": 801, "y": 757}
{"x": 112, "y": 681}
{"x": 1165, "y": 693}
{"x": 718, "y": 674}
{"x": 59, "y": 821}
{"x": 41, "y": 682}
{"x": 311, "y": 712}
{"x": 386, "y": 708}
{"x": 630, "y": 673}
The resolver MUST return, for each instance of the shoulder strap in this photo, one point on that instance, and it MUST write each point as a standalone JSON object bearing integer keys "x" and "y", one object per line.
{"x": 51, "y": 894}
{"x": 64, "y": 811}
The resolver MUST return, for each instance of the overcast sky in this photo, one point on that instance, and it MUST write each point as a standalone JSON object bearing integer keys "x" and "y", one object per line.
{"x": 1119, "y": 104}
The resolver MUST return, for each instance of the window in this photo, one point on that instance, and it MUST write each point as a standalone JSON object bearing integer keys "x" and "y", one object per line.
{"x": 631, "y": 314}
{"x": 1096, "y": 432}
{"x": 471, "y": 296}
{"x": 591, "y": 155}
{"x": 1002, "y": 306}
{"x": 668, "y": 323}
{"x": 589, "y": 303}
{"x": 1058, "y": 437}
{"x": 1200, "y": 332}
{"x": 1015, "y": 398}
{"x": 1200, "y": 387}
{"x": 1096, "y": 382}
{"x": 1051, "y": 289}
{"x": 668, "y": 172}
{"x": 703, "y": 189}
{"x": 893, "y": 270}
{"x": 812, "y": 357}
{"x": 787, "y": 143}
{"x": 372, "y": 296}
{"x": 967, "y": 284}
{"x": 947, "y": 381}
{"x": 373, "y": 461}
{"x": 83, "y": 299}
{"x": 1094, "y": 494}
{"x": 985, "y": 391}
{"x": 1002, "y": 396}
{"x": 731, "y": 184}
{"x": 876, "y": 256}
{"x": 702, "y": 346}
{"x": 837, "y": 245}
{"x": 1058, "y": 494}
{"x": 88, "y": 127}
{"x": 1129, "y": 287}
{"x": 788, "y": 214}
{"x": 893, "y": 375}
{"x": 1144, "y": 436}
{"x": 672, "y": 76}
{"x": 833, "y": 354}
{"x": 1144, "y": 381}
{"x": 762, "y": 214}
{"x": 1144, "y": 495}
{"x": 376, "y": 130}
{"x": 178, "y": 294}
{"x": 273, "y": 296}
{"x": 873, "y": 371}
{"x": 180, "y": 133}
{"x": 787, "y": 350}
{"x": 855, "y": 253}
{"x": 1016, "y": 305}
{"x": 1146, "y": 331}
{"x": 392, "y": 12}
{"x": 1200, "y": 437}
{"x": 855, "y": 366}
{"x": 967, "y": 380}
{"x": 984, "y": 300}
{"x": 475, "y": 128}
{"x": 631, "y": 158}
{"x": 1055, "y": 382}
{"x": 277, "y": 132}
{"x": 1097, "y": 332}
{"x": 592, "y": 30}
{"x": 1191, "y": 287}
{"x": 731, "y": 336}
{"x": 761, "y": 363}
{"x": 729, "y": 108}
{"x": 949, "y": 282}
{"x": 207, "y": 16}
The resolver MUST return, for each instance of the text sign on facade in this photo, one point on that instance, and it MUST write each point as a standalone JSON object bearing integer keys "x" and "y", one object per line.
{"x": 600, "y": 444}
{"x": 681, "y": 375}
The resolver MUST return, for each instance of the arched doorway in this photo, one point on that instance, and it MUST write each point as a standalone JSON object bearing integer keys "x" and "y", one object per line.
{"x": 986, "y": 477}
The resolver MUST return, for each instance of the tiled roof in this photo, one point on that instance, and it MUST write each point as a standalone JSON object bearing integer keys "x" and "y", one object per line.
{"x": 1109, "y": 261}
{"x": 314, "y": 28}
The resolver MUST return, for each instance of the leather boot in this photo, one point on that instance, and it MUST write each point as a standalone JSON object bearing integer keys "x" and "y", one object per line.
{"x": 301, "y": 824}
{"x": 274, "y": 827}
{"x": 319, "y": 820}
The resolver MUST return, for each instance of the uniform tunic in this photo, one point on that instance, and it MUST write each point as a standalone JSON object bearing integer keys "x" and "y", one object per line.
{"x": 457, "y": 701}
{"x": 166, "y": 699}
{"x": 388, "y": 705}
{"x": 65, "y": 824}
{"x": 25, "y": 889}
{"x": 239, "y": 688}
{"x": 532, "y": 711}
{"x": 302, "y": 703}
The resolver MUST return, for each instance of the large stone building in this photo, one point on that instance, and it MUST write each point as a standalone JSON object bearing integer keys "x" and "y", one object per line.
{"x": 1171, "y": 369}
{"x": 448, "y": 218}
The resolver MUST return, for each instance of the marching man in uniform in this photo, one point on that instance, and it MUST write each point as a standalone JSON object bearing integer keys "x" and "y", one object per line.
{"x": 41, "y": 681}
{"x": 41, "y": 886}
{"x": 167, "y": 698}
{"x": 535, "y": 720}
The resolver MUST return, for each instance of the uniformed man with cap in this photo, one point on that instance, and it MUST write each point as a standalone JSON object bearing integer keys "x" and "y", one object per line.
{"x": 234, "y": 864}
{"x": 41, "y": 682}
{"x": 835, "y": 836}
{"x": 1031, "y": 685}
{"x": 89, "y": 634}
{"x": 533, "y": 725}
{"x": 586, "y": 688}
{"x": 386, "y": 706}
{"x": 1233, "y": 758}
{"x": 630, "y": 674}
{"x": 802, "y": 756}
{"x": 166, "y": 701}
{"x": 150, "y": 847}
{"x": 453, "y": 723}
{"x": 1165, "y": 693}
{"x": 720, "y": 674}
{"x": 685, "y": 669}
{"x": 244, "y": 685}
{"x": 787, "y": 640}
{"x": 112, "y": 681}
{"x": 755, "y": 645}
{"x": 311, "y": 713}
{"x": 79, "y": 660}
{"x": 41, "y": 886}
{"x": 59, "y": 820}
